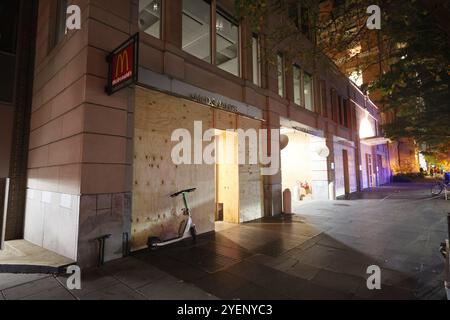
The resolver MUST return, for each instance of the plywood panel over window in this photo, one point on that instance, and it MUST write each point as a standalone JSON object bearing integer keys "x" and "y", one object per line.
{"x": 156, "y": 176}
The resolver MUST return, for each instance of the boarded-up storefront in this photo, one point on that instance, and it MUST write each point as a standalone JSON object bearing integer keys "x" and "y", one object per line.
{"x": 156, "y": 176}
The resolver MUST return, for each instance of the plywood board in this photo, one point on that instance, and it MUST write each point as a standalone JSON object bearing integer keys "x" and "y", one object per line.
{"x": 156, "y": 176}
{"x": 250, "y": 179}
{"x": 154, "y": 213}
{"x": 228, "y": 176}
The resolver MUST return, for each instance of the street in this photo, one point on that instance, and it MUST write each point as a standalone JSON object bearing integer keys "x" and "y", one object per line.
{"x": 320, "y": 252}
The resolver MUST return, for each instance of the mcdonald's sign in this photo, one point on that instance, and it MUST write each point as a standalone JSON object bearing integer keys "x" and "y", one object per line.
{"x": 123, "y": 65}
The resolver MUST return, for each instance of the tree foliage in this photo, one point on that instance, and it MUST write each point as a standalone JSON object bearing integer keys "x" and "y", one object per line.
{"x": 411, "y": 51}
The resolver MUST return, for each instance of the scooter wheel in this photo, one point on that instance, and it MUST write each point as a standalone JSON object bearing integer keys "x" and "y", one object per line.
{"x": 153, "y": 243}
{"x": 193, "y": 233}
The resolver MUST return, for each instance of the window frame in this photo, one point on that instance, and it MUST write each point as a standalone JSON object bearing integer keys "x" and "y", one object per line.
{"x": 312, "y": 90}
{"x": 211, "y": 34}
{"x": 60, "y": 22}
{"x": 281, "y": 75}
{"x": 258, "y": 80}
{"x": 215, "y": 10}
{"x": 161, "y": 25}
{"x": 230, "y": 18}
{"x": 300, "y": 89}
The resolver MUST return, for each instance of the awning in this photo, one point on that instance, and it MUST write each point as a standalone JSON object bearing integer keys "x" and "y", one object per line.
{"x": 375, "y": 141}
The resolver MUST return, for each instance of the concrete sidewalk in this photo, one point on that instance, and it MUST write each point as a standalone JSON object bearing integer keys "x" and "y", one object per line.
{"x": 320, "y": 252}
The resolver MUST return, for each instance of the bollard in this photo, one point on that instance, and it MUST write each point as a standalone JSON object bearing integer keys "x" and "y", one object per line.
{"x": 448, "y": 225}
{"x": 287, "y": 201}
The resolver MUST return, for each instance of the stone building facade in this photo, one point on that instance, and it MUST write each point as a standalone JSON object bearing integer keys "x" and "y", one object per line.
{"x": 100, "y": 164}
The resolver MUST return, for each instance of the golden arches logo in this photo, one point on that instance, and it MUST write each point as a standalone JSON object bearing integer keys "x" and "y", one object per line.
{"x": 122, "y": 59}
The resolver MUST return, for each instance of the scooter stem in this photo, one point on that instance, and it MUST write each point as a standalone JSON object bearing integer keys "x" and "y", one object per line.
{"x": 185, "y": 202}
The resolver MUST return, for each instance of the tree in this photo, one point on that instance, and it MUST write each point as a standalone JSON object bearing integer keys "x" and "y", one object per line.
{"x": 416, "y": 87}
{"x": 411, "y": 51}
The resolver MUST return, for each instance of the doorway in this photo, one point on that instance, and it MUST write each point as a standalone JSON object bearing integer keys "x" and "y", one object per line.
{"x": 369, "y": 165}
{"x": 227, "y": 177}
{"x": 346, "y": 172}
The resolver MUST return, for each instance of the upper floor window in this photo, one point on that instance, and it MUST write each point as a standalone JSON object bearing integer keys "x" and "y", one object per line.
{"x": 197, "y": 37}
{"x": 357, "y": 77}
{"x": 297, "y": 75}
{"x": 345, "y": 113}
{"x": 334, "y": 105}
{"x": 300, "y": 16}
{"x": 323, "y": 98}
{"x": 281, "y": 74}
{"x": 308, "y": 91}
{"x": 150, "y": 17}
{"x": 61, "y": 17}
{"x": 197, "y": 29}
{"x": 227, "y": 44}
{"x": 256, "y": 60}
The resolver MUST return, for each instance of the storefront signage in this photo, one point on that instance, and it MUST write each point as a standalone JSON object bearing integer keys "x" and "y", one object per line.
{"x": 123, "y": 65}
{"x": 214, "y": 102}
{"x": 308, "y": 131}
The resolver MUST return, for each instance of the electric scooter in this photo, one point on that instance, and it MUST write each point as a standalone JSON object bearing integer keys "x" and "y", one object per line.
{"x": 187, "y": 227}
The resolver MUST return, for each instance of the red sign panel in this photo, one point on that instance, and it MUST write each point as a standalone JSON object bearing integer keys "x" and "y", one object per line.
{"x": 123, "y": 65}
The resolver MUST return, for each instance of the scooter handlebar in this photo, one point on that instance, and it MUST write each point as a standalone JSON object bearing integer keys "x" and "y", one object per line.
{"x": 182, "y": 191}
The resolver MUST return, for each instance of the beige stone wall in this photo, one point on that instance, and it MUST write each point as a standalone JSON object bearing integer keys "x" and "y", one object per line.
{"x": 80, "y": 140}
{"x": 404, "y": 156}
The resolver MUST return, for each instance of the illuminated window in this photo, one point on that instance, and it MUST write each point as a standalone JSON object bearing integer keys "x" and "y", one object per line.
{"x": 308, "y": 88}
{"x": 197, "y": 37}
{"x": 297, "y": 74}
{"x": 281, "y": 75}
{"x": 150, "y": 17}
{"x": 256, "y": 60}
{"x": 197, "y": 29}
{"x": 227, "y": 44}
{"x": 357, "y": 77}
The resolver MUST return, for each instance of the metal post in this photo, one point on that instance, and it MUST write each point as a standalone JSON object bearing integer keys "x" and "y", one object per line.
{"x": 5, "y": 186}
{"x": 447, "y": 261}
{"x": 448, "y": 225}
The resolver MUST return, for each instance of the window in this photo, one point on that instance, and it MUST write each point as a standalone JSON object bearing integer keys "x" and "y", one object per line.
{"x": 357, "y": 77}
{"x": 197, "y": 37}
{"x": 345, "y": 115}
{"x": 323, "y": 98}
{"x": 340, "y": 117}
{"x": 297, "y": 74}
{"x": 281, "y": 75}
{"x": 300, "y": 16}
{"x": 150, "y": 17}
{"x": 334, "y": 105}
{"x": 308, "y": 91}
{"x": 305, "y": 21}
{"x": 8, "y": 36}
{"x": 61, "y": 17}
{"x": 197, "y": 29}
{"x": 256, "y": 60}
{"x": 227, "y": 44}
